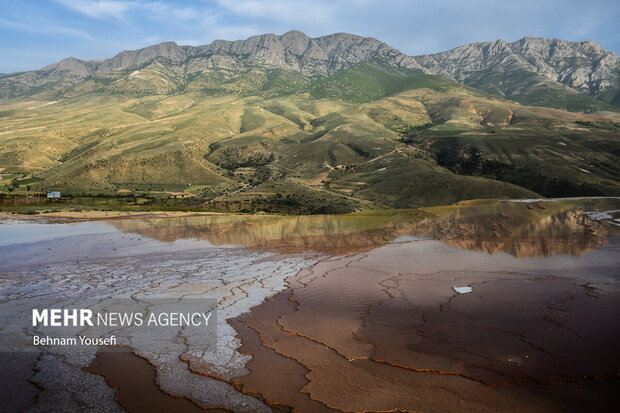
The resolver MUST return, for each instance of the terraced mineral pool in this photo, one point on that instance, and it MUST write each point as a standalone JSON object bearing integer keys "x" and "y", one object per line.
{"x": 482, "y": 306}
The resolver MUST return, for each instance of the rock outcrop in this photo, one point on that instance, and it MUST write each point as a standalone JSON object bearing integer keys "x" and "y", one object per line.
{"x": 582, "y": 66}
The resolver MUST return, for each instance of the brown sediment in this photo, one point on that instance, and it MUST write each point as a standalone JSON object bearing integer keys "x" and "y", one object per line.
{"x": 283, "y": 387}
{"x": 357, "y": 385}
{"x": 135, "y": 381}
{"x": 380, "y": 332}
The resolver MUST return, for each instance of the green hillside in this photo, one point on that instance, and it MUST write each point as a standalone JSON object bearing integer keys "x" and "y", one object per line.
{"x": 369, "y": 81}
{"x": 365, "y": 137}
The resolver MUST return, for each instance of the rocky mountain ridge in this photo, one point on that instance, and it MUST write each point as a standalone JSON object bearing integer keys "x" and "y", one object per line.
{"x": 527, "y": 70}
{"x": 583, "y": 66}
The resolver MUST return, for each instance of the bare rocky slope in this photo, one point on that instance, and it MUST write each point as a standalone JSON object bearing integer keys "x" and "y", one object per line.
{"x": 532, "y": 68}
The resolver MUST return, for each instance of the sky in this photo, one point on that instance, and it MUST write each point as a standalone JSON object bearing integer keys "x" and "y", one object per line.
{"x": 35, "y": 33}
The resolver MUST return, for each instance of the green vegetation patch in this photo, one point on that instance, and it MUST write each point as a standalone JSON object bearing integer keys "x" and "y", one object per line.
{"x": 368, "y": 81}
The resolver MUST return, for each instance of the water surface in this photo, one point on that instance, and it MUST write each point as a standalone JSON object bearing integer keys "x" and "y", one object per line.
{"x": 375, "y": 302}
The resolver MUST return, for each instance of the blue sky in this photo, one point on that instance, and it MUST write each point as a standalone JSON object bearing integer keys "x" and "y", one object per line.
{"x": 34, "y": 33}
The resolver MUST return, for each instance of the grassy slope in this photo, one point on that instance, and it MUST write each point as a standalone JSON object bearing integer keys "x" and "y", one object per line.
{"x": 361, "y": 137}
{"x": 368, "y": 81}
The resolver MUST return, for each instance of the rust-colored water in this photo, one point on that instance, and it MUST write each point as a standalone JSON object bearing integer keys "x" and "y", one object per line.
{"x": 375, "y": 324}
{"x": 385, "y": 331}
{"x": 135, "y": 381}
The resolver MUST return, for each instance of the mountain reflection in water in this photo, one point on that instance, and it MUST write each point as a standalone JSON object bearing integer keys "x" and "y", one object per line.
{"x": 519, "y": 229}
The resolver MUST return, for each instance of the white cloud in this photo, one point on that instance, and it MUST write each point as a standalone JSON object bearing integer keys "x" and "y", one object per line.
{"x": 41, "y": 27}
{"x": 176, "y": 15}
{"x": 148, "y": 9}
{"x": 283, "y": 10}
{"x": 99, "y": 8}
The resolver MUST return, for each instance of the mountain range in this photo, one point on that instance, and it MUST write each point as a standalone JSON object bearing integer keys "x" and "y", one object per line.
{"x": 536, "y": 71}
{"x": 339, "y": 121}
